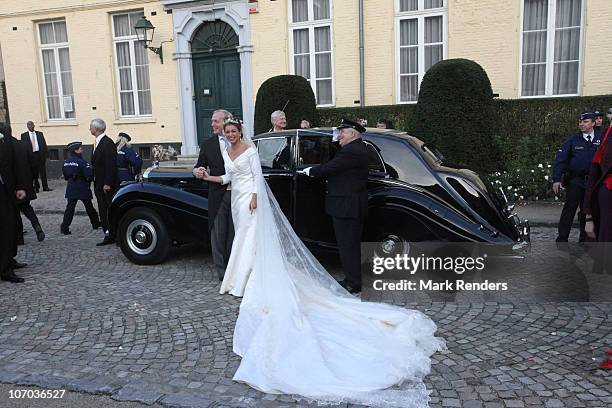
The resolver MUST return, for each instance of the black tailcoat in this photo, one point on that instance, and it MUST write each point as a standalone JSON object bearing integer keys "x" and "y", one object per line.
{"x": 210, "y": 156}
{"x": 104, "y": 163}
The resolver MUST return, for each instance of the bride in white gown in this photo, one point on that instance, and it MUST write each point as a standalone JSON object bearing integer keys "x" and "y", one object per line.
{"x": 298, "y": 331}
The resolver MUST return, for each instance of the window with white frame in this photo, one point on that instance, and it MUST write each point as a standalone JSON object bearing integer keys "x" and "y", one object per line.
{"x": 132, "y": 65}
{"x": 57, "y": 74}
{"x": 550, "y": 63}
{"x": 421, "y": 43}
{"x": 311, "y": 46}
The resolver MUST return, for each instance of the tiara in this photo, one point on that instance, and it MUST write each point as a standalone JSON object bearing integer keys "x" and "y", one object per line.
{"x": 232, "y": 121}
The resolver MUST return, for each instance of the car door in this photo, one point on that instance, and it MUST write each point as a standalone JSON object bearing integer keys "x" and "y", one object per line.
{"x": 311, "y": 221}
{"x": 275, "y": 155}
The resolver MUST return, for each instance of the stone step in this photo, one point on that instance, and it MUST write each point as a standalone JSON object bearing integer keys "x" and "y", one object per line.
{"x": 182, "y": 160}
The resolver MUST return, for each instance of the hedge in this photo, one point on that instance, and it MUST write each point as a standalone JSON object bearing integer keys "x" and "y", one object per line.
{"x": 453, "y": 113}
{"x": 528, "y": 131}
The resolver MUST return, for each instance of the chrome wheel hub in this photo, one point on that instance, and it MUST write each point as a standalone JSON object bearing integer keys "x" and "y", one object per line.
{"x": 141, "y": 237}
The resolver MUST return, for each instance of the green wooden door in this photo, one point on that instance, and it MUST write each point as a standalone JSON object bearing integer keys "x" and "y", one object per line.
{"x": 216, "y": 74}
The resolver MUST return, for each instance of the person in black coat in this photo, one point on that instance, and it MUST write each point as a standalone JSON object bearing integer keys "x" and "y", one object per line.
{"x": 24, "y": 206}
{"x": 79, "y": 175}
{"x": 347, "y": 198}
{"x": 220, "y": 223}
{"x": 38, "y": 153}
{"x": 12, "y": 186}
{"x": 106, "y": 177}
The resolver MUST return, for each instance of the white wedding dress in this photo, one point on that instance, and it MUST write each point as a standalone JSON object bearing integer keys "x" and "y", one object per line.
{"x": 298, "y": 331}
{"x": 242, "y": 171}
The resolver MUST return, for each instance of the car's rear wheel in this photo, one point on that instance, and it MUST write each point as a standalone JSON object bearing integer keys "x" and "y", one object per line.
{"x": 143, "y": 236}
{"x": 389, "y": 244}
{"x": 392, "y": 232}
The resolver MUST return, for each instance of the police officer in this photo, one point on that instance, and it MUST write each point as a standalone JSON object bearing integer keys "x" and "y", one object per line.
{"x": 79, "y": 174}
{"x": 347, "y": 197}
{"x": 572, "y": 165}
{"x": 129, "y": 162}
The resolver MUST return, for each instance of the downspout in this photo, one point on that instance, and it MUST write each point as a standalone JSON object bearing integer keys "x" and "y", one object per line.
{"x": 361, "y": 57}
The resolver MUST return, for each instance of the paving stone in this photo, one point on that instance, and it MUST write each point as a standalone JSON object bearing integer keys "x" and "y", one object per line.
{"x": 92, "y": 387}
{"x": 137, "y": 393}
{"x": 553, "y": 403}
{"x": 185, "y": 401}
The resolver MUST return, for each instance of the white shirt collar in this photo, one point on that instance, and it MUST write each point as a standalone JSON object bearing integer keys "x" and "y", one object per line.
{"x": 592, "y": 135}
{"x": 99, "y": 138}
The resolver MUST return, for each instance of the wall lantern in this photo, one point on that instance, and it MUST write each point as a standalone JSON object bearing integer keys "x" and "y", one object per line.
{"x": 144, "y": 32}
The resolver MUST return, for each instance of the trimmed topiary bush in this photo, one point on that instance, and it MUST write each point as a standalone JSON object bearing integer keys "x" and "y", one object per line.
{"x": 455, "y": 112}
{"x": 273, "y": 95}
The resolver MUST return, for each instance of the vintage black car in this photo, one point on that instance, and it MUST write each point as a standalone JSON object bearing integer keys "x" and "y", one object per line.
{"x": 413, "y": 197}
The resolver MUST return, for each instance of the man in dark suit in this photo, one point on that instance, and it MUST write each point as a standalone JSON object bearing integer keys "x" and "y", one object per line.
{"x": 220, "y": 223}
{"x": 106, "y": 176}
{"x": 347, "y": 197}
{"x": 24, "y": 206}
{"x": 38, "y": 154}
{"x": 12, "y": 186}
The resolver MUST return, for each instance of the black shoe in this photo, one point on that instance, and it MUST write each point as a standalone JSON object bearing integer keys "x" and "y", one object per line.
{"x": 40, "y": 235}
{"x": 106, "y": 241}
{"x": 96, "y": 226}
{"x": 18, "y": 265}
{"x": 350, "y": 287}
{"x": 47, "y": 189}
{"x": 66, "y": 232}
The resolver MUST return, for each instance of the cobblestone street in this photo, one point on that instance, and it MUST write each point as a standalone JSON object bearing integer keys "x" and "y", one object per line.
{"x": 87, "y": 320}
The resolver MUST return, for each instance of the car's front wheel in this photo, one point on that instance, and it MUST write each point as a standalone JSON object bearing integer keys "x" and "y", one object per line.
{"x": 143, "y": 236}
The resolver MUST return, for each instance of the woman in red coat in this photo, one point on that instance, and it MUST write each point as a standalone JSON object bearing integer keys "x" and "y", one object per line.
{"x": 598, "y": 203}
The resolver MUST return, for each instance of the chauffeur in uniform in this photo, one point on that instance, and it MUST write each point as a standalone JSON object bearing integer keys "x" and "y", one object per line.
{"x": 572, "y": 164}
{"x": 347, "y": 198}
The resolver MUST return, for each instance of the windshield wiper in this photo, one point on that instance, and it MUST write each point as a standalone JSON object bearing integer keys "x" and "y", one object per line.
{"x": 432, "y": 149}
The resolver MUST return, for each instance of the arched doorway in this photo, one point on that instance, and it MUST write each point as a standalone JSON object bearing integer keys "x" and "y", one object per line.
{"x": 216, "y": 73}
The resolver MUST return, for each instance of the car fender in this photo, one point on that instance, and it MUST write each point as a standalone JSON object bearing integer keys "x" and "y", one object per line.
{"x": 443, "y": 221}
{"x": 185, "y": 214}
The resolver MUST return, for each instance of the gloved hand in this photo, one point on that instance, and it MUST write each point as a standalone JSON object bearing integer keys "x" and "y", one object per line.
{"x": 306, "y": 171}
